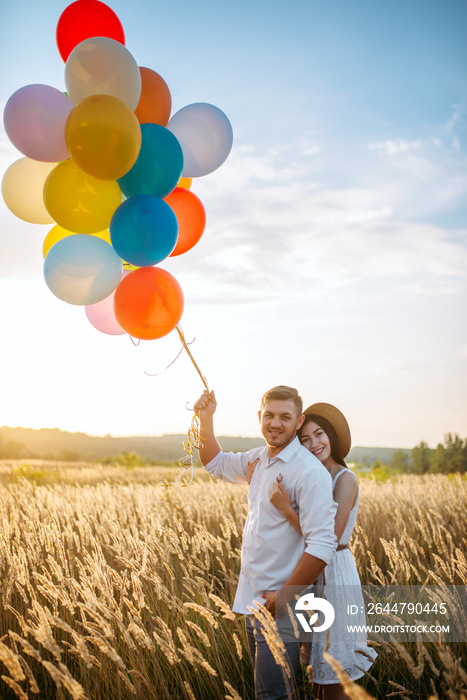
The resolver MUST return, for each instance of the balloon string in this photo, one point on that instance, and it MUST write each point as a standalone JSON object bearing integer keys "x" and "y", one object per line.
{"x": 193, "y": 441}
{"x": 185, "y": 345}
{"x": 149, "y": 374}
{"x": 168, "y": 366}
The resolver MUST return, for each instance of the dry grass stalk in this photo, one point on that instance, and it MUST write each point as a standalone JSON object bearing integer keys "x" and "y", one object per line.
{"x": 62, "y": 677}
{"x": 189, "y": 691}
{"x": 238, "y": 646}
{"x": 454, "y": 675}
{"x": 208, "y": 614}
{"x": 415, "y": 670}
{"x": 273, "y": 640}
{"x": 12, "y": 662}
{"x": 222, "y": 605}
{"x": 108, "y": 650}
{"x": 233, "y": 693}
{"x": 201, "y": 634}
{"x": 32, "y": 681}
{"x": 354, "y": 691}
{"x": 17, "y": 688}
{"x": 166, "y": 642}
{"x": 129, "y": 685}
{"x": 192, "y": 655}
{"x": 400, "y": 692}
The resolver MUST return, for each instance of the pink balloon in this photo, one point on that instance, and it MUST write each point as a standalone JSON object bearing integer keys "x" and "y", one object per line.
{"x": 102, "y": 317}
{"x": 34, "y": 119}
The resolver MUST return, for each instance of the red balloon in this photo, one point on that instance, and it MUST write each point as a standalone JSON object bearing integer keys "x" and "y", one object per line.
{"x": 84, "y": 19}
{"x": 191, "y": 218}
{"x": 148, "y": 303}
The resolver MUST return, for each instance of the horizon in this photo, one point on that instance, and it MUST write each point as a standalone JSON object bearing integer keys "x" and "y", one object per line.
{"x": 219, "y": 437}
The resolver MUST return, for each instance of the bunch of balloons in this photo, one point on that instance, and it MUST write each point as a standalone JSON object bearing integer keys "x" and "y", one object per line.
{"x": 112, "y": 169}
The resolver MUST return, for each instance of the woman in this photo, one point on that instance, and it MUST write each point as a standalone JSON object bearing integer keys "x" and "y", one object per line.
{"x": 325, "y": 433}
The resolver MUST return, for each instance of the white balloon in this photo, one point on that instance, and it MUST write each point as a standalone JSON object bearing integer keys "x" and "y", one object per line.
{"x": 205, "y": 135}
{"x": 102, "y": 66}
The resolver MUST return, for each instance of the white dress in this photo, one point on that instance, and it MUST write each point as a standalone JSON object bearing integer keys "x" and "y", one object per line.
{"x": 341, "y": 586}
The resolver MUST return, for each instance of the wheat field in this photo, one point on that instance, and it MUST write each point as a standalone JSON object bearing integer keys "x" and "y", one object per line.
{"x": 113, "y": 586}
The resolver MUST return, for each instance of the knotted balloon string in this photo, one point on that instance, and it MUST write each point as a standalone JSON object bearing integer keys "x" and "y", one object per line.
{"x": 193, "y": 441}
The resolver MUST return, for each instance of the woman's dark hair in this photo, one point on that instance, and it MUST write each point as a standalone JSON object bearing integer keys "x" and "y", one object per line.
{"x": 330, "y": 432}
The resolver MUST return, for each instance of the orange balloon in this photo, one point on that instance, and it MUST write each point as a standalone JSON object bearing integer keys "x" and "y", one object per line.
{"x": 148, "y": 303}
{"x": 156, "y": 101}
{"x": 191, "y": 218}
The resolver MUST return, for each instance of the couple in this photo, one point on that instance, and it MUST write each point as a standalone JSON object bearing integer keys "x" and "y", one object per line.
{"x": 298, "y": 512}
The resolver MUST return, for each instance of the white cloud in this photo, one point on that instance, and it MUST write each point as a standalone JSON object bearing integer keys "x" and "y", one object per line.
{"x": 272, "y": 222}
{"x": 455, "y": 125}
{"x": 8, "y": 153}
{"x": 393, "y": 147}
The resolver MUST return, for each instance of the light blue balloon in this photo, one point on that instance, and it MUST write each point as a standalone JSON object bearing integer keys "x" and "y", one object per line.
{"x": 205, "y": 136}
{"x": 159, "y": 165}
{"x": 82, "y": 269}
{"x": 144, "y": 230}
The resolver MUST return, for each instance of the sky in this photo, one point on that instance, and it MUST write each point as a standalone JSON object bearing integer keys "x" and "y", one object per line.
{"x": 335, "y": 253}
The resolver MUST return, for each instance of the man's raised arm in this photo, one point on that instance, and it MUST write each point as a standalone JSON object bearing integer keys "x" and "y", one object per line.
{"x": 206, "y": 407}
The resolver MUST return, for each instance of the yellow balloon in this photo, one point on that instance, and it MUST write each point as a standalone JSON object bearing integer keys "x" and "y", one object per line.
{"x": 78, "y": 202}
{"x": 129, "y": 266}
{"x": 185, "y": 182}
{"x": 103, "y": 135}
{"x": 22, "y": 187}
{"x": 57, "y": 233}
{"x": 105, "y": 235}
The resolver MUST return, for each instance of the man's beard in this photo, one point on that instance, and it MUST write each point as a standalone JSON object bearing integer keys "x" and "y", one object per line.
{"x": 283, "y": 437}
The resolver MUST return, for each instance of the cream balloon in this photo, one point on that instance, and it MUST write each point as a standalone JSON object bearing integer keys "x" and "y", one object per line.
{"x": 102, "y": 66}
{"x": 22, "y": 188}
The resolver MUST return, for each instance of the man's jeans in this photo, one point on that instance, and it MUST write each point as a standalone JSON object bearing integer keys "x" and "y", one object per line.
{"x": 272, "y": 680}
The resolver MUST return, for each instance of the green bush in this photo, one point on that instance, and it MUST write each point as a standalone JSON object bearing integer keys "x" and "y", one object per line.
{"x": 35, "y": 475}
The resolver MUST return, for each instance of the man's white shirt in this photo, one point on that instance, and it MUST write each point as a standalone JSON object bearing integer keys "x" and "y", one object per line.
{"x": 272, "y": 547}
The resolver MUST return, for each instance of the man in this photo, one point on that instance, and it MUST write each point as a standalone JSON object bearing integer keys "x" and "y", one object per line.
{"x": 277, "y": 562}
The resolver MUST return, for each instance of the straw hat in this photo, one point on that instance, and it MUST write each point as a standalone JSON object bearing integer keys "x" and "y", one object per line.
{"x": 338, "y": 422}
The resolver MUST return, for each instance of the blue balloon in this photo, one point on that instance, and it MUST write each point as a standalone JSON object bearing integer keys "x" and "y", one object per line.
{"x": 82, "y": 269}
{"x": 144, "y": 230}
{"x": 159, "y": 165}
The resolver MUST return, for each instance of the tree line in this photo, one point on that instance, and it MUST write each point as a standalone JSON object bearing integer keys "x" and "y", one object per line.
{"x": 446, "y": 458}
{"x": 449, "y": 457}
